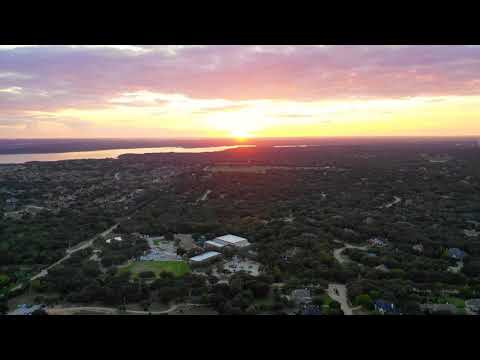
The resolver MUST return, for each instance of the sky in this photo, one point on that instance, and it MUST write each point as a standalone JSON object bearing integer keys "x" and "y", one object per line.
{"x": 175, "y": 91}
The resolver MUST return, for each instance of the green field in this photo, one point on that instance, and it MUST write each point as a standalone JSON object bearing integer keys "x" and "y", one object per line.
{"x": 178, "y": 268}
{"x": 459, "y": 303}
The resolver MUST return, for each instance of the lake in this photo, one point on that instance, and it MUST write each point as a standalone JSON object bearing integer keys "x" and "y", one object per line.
{"x": 107, "y": 154}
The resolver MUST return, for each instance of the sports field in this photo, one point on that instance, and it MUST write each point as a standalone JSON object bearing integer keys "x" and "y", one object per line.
{"x": 178, "y": 268}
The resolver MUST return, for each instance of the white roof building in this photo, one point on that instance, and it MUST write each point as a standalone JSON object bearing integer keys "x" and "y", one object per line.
{"x": 204, "y": 257}
{"x": 216, "y": 244}
{"x": 117, "y": 238}
{"x": 232, "y": 240}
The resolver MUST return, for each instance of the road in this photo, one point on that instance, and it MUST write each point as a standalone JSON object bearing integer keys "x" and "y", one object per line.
{"x": 338, "y": 292}
{"x": 337, "y": 253}
{"x": 205, "y": 196}
{"x": 69, "y": 252}
{"x": 110, "y": 310}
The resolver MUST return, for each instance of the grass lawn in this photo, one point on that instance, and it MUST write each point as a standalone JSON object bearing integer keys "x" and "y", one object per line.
{"x": 178, "y": 268}
{"x": 156, "y": 242}
{"x": 459, "y": 303}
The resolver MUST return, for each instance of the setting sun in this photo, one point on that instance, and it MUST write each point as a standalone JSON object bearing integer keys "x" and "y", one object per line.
{"x": 241, "y": 134}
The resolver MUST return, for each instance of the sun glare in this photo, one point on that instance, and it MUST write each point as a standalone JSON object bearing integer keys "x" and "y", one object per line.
{"x": 241, "y": 134}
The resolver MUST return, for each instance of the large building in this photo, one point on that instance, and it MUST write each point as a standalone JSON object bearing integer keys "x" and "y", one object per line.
{"x": 205, "y": 257}
{"x": 212, "y": 244}
{"x": 232, "y": 240}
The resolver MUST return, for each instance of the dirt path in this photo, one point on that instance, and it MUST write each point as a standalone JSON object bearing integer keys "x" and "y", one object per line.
{"x": 338, "y": 292}
{"x": 205, "y": 196}
{"x": 394, "y": 202}
{"x": 337, "y": 253}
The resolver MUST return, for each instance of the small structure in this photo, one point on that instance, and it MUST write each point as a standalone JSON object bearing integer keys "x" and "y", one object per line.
{"x": 311, "y": 310}
{"x": 439, "y": 308}
{"x": 471, "y": 233}
{"x": 301, "y": 297}
{"x": 237, "y": 264}
{"x": 456, "y": 254}
{"x": 117, "y": 238}
{"x": 385, "y": 307}
{"x": 473, "y": 305}
{"x": 379, "y": 242}
{"x": 24, "y": 309}
{"x": 418, "y": 248}
{"x": 232, "y": 240}
{"x": 382, "y": 268}
{"x": 205, "y": 257}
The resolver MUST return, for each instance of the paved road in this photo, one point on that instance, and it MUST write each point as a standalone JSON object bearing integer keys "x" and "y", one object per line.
{"x": 69, "y": 252}
{"x": 338, "y": 292}
{"x": 110, "y": 311}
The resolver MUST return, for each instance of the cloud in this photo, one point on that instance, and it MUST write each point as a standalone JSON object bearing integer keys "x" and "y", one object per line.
{"x": 11, "y": 90}
{"x": 203, "y": 80}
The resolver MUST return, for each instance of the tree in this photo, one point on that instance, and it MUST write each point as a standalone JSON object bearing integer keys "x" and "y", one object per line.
{"x": 39, "y": 312}
{"x": 318, "y": 300}
{"x": 147, "y": 274}
{"x": 364, "y": 300}
{"x": 335, "y": 305}
{"x": 3, "y": 307}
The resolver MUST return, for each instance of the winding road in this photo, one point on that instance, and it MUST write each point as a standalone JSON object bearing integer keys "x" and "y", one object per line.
{"x": 110, "y": 310}
{"x": 338, "y": 292}
{"x": 337, "y": 253}
{"x": 69, "y": 252}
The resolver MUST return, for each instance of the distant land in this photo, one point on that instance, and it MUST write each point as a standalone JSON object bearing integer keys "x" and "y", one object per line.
{"x": 40, "y": 146}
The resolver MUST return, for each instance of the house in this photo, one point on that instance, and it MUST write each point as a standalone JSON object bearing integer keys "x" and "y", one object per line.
{"x": 384, "y": 307}
{"x": 473, "y": 305}
{"x": 310, "y": 310}
{"x": 471, "y": 233}
{"x": 382, "y": 268}
{"x": 456, "y": 254}
{"x": 24, "y": 309}
{"x": 418, "y": 247}
{"x": 117, "y": 238}
{"x": 377, "y": 242}
{"x": 301, "y": 297}
{"x": 232, "y": 240}
{"x": 205, "y": 257}
{"x": 439, "y": 308}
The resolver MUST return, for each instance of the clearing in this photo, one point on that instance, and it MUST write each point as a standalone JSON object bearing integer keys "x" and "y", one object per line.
{"x": 177, "y": 268}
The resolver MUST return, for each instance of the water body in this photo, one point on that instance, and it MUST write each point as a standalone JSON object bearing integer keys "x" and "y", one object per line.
{"x": 107, "y": 154}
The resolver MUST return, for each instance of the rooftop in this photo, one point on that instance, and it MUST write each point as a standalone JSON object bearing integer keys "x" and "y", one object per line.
{"x": 231, "y": 239}
{"x": 205, "y": 256}
{"x": 214, "y": 243}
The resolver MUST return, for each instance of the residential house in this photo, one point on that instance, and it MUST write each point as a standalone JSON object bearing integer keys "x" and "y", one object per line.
{"x": 385, "y": 307}
{"x": 418, "y": 248}
{"x": 473, "y": 305}
{"x": 379, "y": 242}
{"x": 382, "y": 268}
{"x": 439, "y": 308}
{"x": 456, "y": 253}
{"x": 311, "y": 310}
{"x": 301, "y": 297}
{"x": 25, "y": 309}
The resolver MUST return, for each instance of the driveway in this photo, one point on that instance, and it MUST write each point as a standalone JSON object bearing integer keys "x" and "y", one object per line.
{"x": 338, "y": 292}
